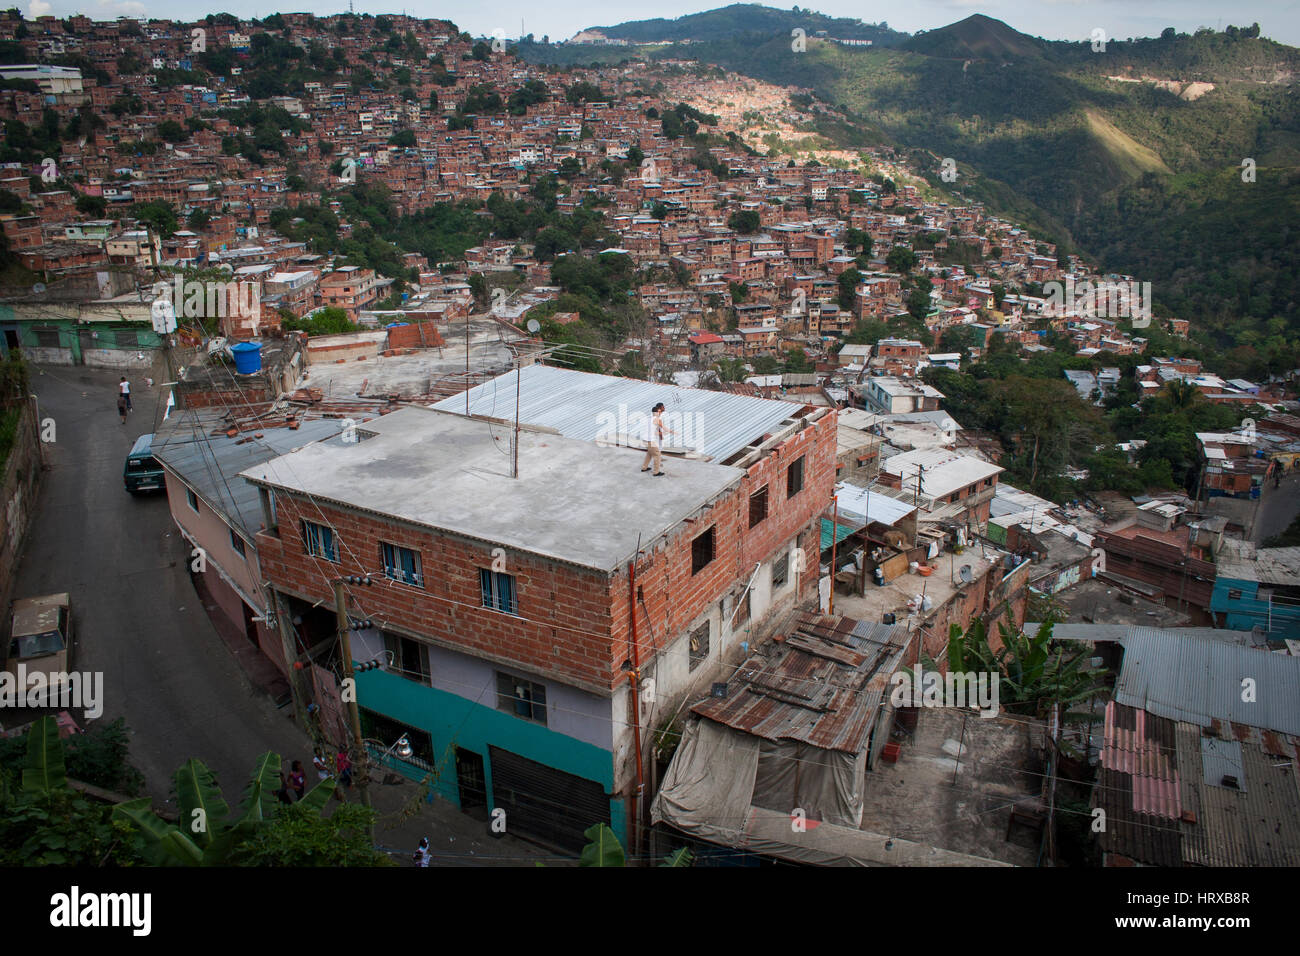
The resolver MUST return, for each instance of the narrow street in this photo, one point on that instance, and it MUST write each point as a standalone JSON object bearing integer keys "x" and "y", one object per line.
{"x": 1277, "y": 507}
{"x": 137, "y": 616}
{"x": 139, "y": 620}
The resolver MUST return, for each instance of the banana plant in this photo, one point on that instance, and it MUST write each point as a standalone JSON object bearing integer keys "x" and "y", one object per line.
{"x": 605, "y": 850}
{"x": 207, "y": 831}
{"x": 45, "y": 771}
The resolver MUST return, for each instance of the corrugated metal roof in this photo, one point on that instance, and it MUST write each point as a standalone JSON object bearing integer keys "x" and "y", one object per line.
{"x": 842, "y": 531}
{"x": 1256, "y": 825}
{"x": 863, "y": 506}
{"x": 1109, "y": 633}
{"x": 586, "y": 406}
{"x": 1138, "y": 787}
{"x": 211, "y": 465}
{"x": 1196, "y": 679}
{"x": 822, "y": 686}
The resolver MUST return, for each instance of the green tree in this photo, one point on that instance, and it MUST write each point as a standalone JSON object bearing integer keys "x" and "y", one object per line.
{"x": 158, "y": 215}
{"x": 745, "y": 221}
{"x": 901, "y": 259}
{"x": 208, "y": 832}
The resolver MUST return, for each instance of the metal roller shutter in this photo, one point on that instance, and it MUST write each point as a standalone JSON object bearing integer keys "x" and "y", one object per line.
{"x": 546, "y": 803}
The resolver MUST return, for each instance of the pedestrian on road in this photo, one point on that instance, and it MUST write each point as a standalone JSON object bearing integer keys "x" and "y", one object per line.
{"x": 298, "y": 780}
{"x": 321, "y": 765}
{"x": 121, "y": 407}
{"x": 654, "y": 437}
{"x": 421, "y": 854}
{"x": 125, "y": 387}
{"x": 283, "y": 792}
{"x": 343, "y": 763}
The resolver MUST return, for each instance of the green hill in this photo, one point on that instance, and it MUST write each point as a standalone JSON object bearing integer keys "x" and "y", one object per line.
{"x": 749, "y": 18}
{"x": 976, "y": 37}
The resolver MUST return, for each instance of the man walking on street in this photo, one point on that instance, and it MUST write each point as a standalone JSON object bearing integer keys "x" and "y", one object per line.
{"x": 121, "y": 406}
{"x": 421, "y": 855}
{"x": 125, "y": 388}
{"x": 654, "y": 436}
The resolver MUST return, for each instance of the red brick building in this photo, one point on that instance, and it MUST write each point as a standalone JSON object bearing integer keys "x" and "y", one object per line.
{"x": 592, "y": 596}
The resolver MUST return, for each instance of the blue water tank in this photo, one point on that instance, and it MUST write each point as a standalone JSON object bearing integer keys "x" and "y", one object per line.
{"x": 248, "y": 357}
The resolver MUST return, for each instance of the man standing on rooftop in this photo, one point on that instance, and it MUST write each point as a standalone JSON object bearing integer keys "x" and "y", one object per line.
{"x": 654, "y": 436}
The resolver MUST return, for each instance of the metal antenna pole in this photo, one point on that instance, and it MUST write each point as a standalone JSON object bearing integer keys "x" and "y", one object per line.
{"x": 514, "y": 473}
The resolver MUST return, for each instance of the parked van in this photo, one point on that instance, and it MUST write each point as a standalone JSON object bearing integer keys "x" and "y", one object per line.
{"x": 142, "y": 471}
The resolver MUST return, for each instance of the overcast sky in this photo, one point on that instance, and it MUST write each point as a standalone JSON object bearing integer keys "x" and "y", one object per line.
{"x": 1053, "y": 19}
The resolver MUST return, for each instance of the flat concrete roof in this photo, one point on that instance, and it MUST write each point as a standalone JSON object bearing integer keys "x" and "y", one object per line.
{"x": 574, "y": 501}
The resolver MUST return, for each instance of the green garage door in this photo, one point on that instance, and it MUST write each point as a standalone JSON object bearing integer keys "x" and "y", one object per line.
{"x": 545, "y": 803}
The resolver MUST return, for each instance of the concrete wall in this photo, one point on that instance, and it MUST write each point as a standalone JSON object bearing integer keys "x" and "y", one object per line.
{"x": 454, "y": 722}
{"x": 19, "y": 485}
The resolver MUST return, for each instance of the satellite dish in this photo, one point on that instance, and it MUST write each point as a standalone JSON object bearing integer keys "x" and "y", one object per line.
{"x": 534, "y": 325}
{"x": 38, "y": 288}
{"x": 965, "y": 574}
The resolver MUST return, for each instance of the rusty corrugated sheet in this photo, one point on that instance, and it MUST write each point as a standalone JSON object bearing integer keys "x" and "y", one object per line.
{"x": 822, "y": 685}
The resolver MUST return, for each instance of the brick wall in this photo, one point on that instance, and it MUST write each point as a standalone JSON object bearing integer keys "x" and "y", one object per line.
{"x": 415, "y": 335}
{"x": 574, "y": 622}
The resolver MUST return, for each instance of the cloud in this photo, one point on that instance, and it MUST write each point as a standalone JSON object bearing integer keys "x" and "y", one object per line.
{"x": 121, "y": 8}
{"x": 39, "y": 8}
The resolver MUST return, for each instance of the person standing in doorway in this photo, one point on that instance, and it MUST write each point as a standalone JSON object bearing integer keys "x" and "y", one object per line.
{"x": 655, "y": 430}
{"x": 125, "y": 387}
{"x": 121, "y": 406}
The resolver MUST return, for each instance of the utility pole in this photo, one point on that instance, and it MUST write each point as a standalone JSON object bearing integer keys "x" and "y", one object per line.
{"x": 360, "y": 757}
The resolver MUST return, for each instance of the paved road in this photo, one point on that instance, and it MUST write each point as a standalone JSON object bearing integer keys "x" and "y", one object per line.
{"x": 1278, "y": 507}
{"x": 139, "y": 620}
{"x": 137, "y": 615}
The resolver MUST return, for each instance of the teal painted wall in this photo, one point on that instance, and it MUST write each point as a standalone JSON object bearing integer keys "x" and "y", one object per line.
{"x": 1243, "y": 613}
{"x": 451, "y": 719}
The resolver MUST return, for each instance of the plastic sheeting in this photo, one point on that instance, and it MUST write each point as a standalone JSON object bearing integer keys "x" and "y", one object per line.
{"x": 708, "y": 791}
{"x": 824, "y": 784}
{"x": 710, "y": 782}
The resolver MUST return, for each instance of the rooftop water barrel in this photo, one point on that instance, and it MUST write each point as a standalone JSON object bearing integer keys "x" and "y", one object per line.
{"x": 248, "y": 357}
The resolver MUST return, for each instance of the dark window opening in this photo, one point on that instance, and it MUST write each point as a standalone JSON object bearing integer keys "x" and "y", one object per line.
{"x": 701, "y": 552}
{"x": 794, "y": 478}
{"x": 758, "y": 507}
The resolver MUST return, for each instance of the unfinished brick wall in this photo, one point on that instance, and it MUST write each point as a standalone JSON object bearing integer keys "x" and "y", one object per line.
{"x": 415, "y": 335}
{"x": 573, "y": 622}
{"x": 674, "y": 596}
{"x": 562, "y": 630}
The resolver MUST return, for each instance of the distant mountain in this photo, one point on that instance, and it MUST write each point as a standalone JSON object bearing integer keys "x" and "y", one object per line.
{"x": 977, "y": 37}
{"x": 1131, "y": 154}
{"x": 747, "y": 18}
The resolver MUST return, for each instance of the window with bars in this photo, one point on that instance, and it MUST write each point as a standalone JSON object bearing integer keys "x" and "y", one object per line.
{"x": 401, "y": 564}
{"x": 699, "y": 645}
{"x": 237, "y": 543}
{"x": 498, "y": 591}
{"x": 320, "y": 541}
{"x": 780, "y": 571}
{"x": 523, "y": 698}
